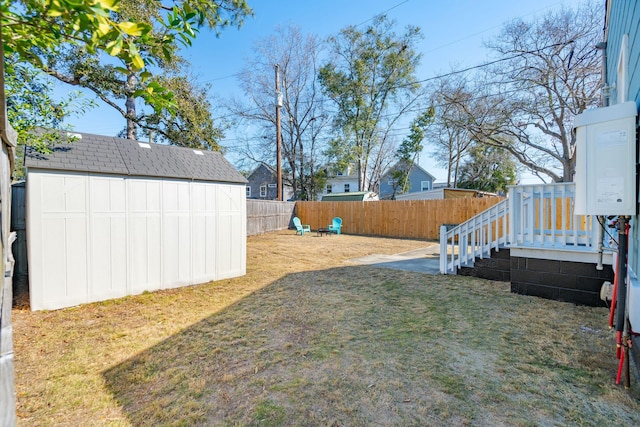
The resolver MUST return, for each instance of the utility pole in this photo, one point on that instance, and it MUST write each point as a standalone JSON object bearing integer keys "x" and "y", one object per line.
{"x": 278, "y": 135}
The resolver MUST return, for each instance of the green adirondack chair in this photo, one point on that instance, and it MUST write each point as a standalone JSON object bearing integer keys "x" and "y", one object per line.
{"x": 336, "y": 225}
{"x": 300, "y": 227}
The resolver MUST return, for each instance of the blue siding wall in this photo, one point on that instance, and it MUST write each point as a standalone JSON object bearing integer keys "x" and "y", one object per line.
{"x": 416, "y": 176}
{"x": 624, "y": 18}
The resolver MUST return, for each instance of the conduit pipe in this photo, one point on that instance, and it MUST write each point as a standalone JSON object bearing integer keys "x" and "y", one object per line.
{"x": 621, "y": 294}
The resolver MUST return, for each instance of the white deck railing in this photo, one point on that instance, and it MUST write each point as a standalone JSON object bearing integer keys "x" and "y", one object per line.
{"x": 533, "y": 216}
{"x": 543, "y": 217}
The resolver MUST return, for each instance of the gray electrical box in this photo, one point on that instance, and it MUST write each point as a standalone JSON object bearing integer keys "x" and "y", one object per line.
{"x": 606, "y": 161}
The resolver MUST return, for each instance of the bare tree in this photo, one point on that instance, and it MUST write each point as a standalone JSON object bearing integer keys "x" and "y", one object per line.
{"x": 449, "y": 134}
{"x": 547, "y": 72}
{"x": 304, "y": 119}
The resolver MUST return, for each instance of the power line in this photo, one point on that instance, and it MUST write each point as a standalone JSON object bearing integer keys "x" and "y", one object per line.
{"x": 426, "y": 51}
{"x": 382, "y": 13}
{"x": 223, "y": 77}
{"x": 440, "y": 76}
{"x": 482, "y": 31}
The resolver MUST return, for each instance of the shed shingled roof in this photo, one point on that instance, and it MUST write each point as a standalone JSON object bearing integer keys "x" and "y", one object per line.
{"x": 105, "y": 154}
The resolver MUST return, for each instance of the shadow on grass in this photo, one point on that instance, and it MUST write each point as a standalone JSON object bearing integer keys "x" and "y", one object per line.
{"x": 367, "y": 346}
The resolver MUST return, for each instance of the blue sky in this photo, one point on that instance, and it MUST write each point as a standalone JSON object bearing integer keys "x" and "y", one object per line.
{"x": 453, "y": 31}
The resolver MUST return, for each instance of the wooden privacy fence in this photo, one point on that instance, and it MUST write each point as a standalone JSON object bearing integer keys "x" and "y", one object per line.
{"x": 268, "y": 215}
{"x": 420, "y": 219}
{"x": 19, "y": 225}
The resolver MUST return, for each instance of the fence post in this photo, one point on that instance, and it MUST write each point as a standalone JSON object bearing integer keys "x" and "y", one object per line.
{"x": 443, "y": 249}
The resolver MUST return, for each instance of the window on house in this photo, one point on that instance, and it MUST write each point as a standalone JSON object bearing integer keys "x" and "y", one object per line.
{"x": 425, "y": 185}
{"x": 329, "y": 189}
{"x": 248, "y": 191}
{"x": 346, "y": 188}
{"x": 263, "y": 191}
{"x": 273, "y": 185}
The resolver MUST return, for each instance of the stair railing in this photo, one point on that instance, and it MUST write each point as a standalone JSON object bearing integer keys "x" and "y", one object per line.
{"x": 533, "y": 216}
{"x": 474, "y": 238}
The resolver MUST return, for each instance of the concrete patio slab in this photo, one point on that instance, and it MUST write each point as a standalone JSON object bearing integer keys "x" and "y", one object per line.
{"x": 424, "y": 260}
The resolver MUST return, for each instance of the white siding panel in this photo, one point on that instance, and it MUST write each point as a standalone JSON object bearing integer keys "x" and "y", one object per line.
{"x": 53, "y": 263}
{"x": 171, "y": 234}
{"x": 138, "y": 255}
{"x": 52, "y": 194}
{"x": 145, "y": 233}
{"x": 204, "y": 226}
{"x": 198, "y": 260}
{"x": 223, "y": 240}
{"x": 211, "y": 218}
{"x": 231, "y": 237}
{"x": 76, "y": 260}
{"x": 33, "y": 220}
{"x": 75, "y": 194}
{"x": 199, "y": 245}
{"x": 108, "y": 238}
{"x": 235, "y": 248}
{"x": 177, "y": 233}
{"x": 170, "y": 262}
{"x": 60, "y": 247}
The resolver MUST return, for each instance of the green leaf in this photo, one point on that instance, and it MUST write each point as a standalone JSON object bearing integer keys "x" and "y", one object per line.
{"x": 108, "y": 4}
{"x": 133, "y": 29}
{"x": 114, "y": 47}
{"x": 136, "y": 60}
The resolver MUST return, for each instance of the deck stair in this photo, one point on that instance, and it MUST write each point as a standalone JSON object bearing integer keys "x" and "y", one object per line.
{"x": 474, "y": 238}
{"x": 532, "y": 218}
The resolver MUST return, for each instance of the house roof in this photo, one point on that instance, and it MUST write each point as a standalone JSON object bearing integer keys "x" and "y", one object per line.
{"x": 444, "y": 193}
{"x": 104, "y": 154}
{"x": 414, "y": 167}
{"x": 357, "y": 196}
{"x": 263, "y": 166}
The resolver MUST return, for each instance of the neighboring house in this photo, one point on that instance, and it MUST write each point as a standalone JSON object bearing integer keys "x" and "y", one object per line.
{"x": 622, "y": 83}
{"x": 345, "y": 181}
{"x": 110, "y": 217}
{"x": 418, "y": 180}
{"x": 263, "y": 184}
{"x": 437, "y": 185}
{"x": 445, "y": 193}
{"x": 354, "y": 196}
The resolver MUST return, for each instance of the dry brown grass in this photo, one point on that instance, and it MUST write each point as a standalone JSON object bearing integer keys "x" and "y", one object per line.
{"x": 306, "y": 339}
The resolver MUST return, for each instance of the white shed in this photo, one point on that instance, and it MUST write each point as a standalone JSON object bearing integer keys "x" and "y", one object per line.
{"x": 110, "y": 217}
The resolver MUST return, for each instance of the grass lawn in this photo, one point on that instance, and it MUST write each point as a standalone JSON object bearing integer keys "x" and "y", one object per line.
{"x": 306, "y": 338}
